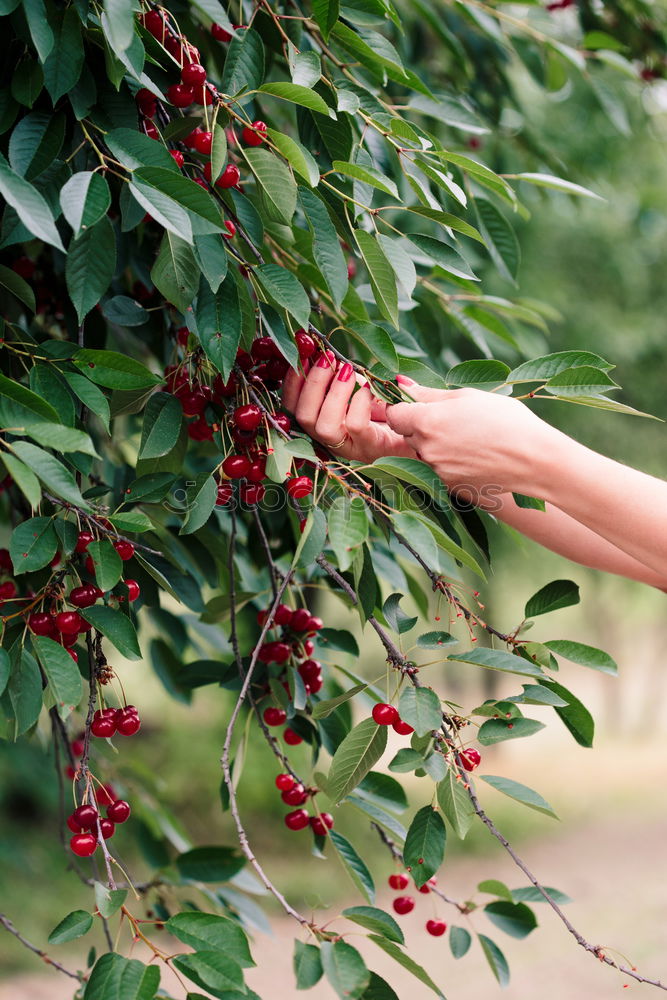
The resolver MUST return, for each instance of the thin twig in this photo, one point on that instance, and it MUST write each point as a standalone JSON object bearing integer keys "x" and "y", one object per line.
{"x": 9, "y": 926}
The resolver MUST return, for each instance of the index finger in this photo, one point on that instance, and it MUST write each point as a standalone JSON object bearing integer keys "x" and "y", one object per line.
{"x": 404, "y": 418}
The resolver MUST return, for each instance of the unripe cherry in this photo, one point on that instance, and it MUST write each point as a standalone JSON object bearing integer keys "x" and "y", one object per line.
{"x": 403, "y": 904}
{"x": 193, "y": 74}
{"x": 436, "y": 927}
{"x": 398, "y": 881}
{"x": 255, "y": 134}
{"x": 300, "y": 486}
{"x": 274, "y": 716}
{"x": 291, "y": 738}
{"x": 384, "y": 714}
{"x": 83, "y": 844}
{"x": 119, "y": 811}
{"x": 297, "y": 820}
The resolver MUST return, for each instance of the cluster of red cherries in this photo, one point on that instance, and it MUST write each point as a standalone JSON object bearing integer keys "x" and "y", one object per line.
{"x": 87, "y": 825}
{"x": 294, "y": 793}
{"x": 406, "y": 904}
{"x": 65, "y": 626}
{"x": 225, "y": 406}
{"x": 386, "y": 715}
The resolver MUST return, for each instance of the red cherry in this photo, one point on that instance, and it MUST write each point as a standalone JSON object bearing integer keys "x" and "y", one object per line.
{"x": 193, "y": 402}
{"x": 315, "y": 684}
{"x": 384, "y": 714}
{"x": 291, "y": 738}
{"x": 402, "y": 728}
{"x": 77, "y": 745}
{"x": 7, "y": 590}
{"x": 40, "y": 623}
{"x": 436, "y": 927}
{"x": 133, "y": 589}
{"x": 277, "y": 368}
{"x": 191, "y": 138}
{"x": 229, "y": 177}
{"x": 308, "y": 647}
{"x": 200, "y": 430}
{"x": 127, "y": 722}
{"x": 274, "y": 652}
{"x": 155, "y": 23}
{"x": 274, "y": 716}
{"x": 310, "y": 669}
{"x": 124, "y": 549}
{"x": 254, "y": 135}
{"x": 203, "y": 142}
{"x": 151, "y": 131}
{"x": 219, "y": 33}
{"x": 204, "y": 95}
{"x": 305, "y": 344}
{"x": 257, "y": 473}
{"x": 83, "y": 818}
{"x": 103, "y": 726}
{"x": 297, "y": 820}
{"x": 248, "y": 417}
{"x": 300, "y": 486}
{"x": 225, "y": 494}
{"x": 236, "y": 466}
{"x": 314, "y": 625}
{"x": 283, "y": 615}
{"x": 252, "y": 493}
{"x": 68, "y": 622}
{"x": 105, "y": 795}
{"x": 177, "y": 157}
{"x": 107, "y": 828}
{"x": 193, "y": 74}
{"x": 243, "y": 360}
{"x": 6, "y": 561}
{"x": 83, "y": 597}
{"x": 295, "y": 796}
{"x": 470, "y": 758}
{"x": 180, "y": 95}
{"x": 119, "y": 811}
{"x": 351, "y": 268}
{"x": 224, "y": 390}
{"x": 145, "y": 100}
{"x": 403, "y": 904}
{"x": 73, "y": 653}
{"x": 300, "y": 619}
{"x": 263, "y": 349}
{"x": 283, "y": 421}
{"x": 321, "y": 824}
{"x": 398, "y": 881}
{"x": 427, "y": 886}
{"x": 231, "y": 230}
{"x": 284, "y": 782}
{"x": 83, "y": 844}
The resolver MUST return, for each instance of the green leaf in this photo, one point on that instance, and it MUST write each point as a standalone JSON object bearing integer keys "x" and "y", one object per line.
{"x": 63, "y": 66}
{"x": 495, "y": 888}
{"x": 219, "y": 324}
{"x": 61, "y": 672}
{"x": 435, "y": 640}
{"x": 421, "y": 709}
{"x": 307, "y": 965}
{"x": 354, "y": 865}
{"x": 344, "y": 968}
{"x": 545, "y": 368}
{"x": 444, "y": 256}
{"x": 587, "y": 656}
{"x": 55, "y": 476}
{"x": 406, "y": 760}
{"x": 366, "y": 175}
{"x": 378, "y": 342}
{"x": 30, "y": 206}
{"x": 301, "y": 161}
{"x": 498, "y": 730}
{"x": 71, "y": 927}
{"x": 296, "y": 94}
{"x": 38, "y": 23}
{"x": 459, "y": 941}
{"x": 24, "y": 478}
{"x": 61, "y": 438}
{"x": 84, "y": 199}
{"x": 379, "y": 989}
{"x": 582, "y": 381}
{"x": 483, "y": 374}
{"x": 212, "y": 258}
{"x": 497, "y": 659}
{"x": 528, "y": 503}
{"x": 375, "y": 920}
{"x": 326, "y": 14}
{"x": 201, "y": 496}
{"x": 360, "y": 750}
{"x": 448, "y": 221}
{"x": 175, "y": 272}
{"x": 275, "y": 182}
{"x": 348, "y": 528}
{"x": 109, "y": 901}
{"x": 118, "y": 978}
{"x": 135, "y": 149}
{"x": 25, "y": 397}
{"x": 5, "y": 667}
{"x": 107, "y": 563}
{"x": 163, "y": 417}
{"x": 213, "y": 971}
{"x": 552, "y": 597}
{"x": 15, "y": 284}
{"x": 396, "y": 616}
{"x": 91, "y": 262}
{"x": 326, "y": 246}
{"x": 211, "y": 932}
{"x": 381, "y": 275}
{"x": 91, "y": 397}
{"x": 120, "y": 23}
{"x": 576, "y": 716}
{"x": 394, "y": 951}
{"x": 218, "y": 150}
{"x": 558, "y": 184}
{"x": 414, "y": 472}
{"x": 210, "y": 864}
{"x": 531, "y": 894}
{"x": 424, "y": 849}
{"x": 500, "y": 239}
{"x": 284, "y": 289}
{"x": 130, "y": 521}
{"x": 163, "y": 209}
{"x": 117, "y": 628}
{"x": 496, "y": 960}
{"x": 324, "y": 708}
{"x": 516, "y": 919}
{"x": 113, "y": 370}
{"x": 244, "y": 65}
{"x": 522, "y": 793}
{"x": 35, "y": 143}
{"x": 455, "y": 804}
{"x": 384, "y": 790}
{"x": 25, "y": 692}
{"x": 183, "y": 191}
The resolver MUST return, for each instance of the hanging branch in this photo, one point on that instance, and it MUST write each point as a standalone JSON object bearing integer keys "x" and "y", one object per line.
{"x": 9, "y": 926}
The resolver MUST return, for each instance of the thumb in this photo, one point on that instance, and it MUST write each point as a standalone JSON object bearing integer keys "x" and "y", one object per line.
{"x": 421, "y": 393}
{"x": 403, "y": 417}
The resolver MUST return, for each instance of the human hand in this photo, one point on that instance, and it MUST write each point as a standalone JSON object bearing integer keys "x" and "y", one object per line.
{"x": 350, "y": 423}
{"x": 474, "y": 440}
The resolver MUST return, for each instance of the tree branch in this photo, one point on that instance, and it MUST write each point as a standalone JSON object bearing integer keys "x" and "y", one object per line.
{"x": 9, "y": 926}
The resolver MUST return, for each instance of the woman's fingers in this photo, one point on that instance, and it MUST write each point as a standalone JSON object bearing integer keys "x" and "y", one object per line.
{"x": 331, "y": 426}
{"x": 313, "y": 391}
{"x": 406, "y": 418}
{"x": 293, "y": 384}
{"x": 359, "y": 412}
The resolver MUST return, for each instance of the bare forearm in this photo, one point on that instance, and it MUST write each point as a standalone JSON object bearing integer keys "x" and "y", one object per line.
{"x": 559, "y": 532}
{"x": 626, "y": 507}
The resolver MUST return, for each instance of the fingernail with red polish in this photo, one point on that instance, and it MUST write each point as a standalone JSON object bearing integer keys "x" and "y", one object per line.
{"x": 404, "y": 380}
{"x": 325, "y": 360}
{"x": 346, "y": 372}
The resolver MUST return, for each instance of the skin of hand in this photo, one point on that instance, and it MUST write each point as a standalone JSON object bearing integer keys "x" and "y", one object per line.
{"x": 324, "y": 401}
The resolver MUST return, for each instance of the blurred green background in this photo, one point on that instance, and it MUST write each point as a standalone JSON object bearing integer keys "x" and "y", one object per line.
{"x": 602, "y": 266}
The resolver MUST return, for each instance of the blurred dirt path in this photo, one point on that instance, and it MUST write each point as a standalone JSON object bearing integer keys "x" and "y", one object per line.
{"x": 618, "y": 870}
